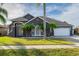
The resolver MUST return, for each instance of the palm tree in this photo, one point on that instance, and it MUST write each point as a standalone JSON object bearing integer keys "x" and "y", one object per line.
{"x": 43, "y": 26}
{"x": 3, "y": 14}
{"x": 27, "y": 29}
{"x": 48, "y": 26}
{"x": 52, "y": 26}
{"x": 44, "y": 14}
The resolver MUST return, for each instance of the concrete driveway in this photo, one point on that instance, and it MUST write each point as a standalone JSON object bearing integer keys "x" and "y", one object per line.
{"x": 74, "y": 39}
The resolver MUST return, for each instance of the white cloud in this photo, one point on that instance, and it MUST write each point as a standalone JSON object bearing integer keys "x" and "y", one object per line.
{"x": 71, "y": 15}
{"x": 54, "y": 7}
{"x": 17, "y": 10}
{"x": 51, "y": 8}
{"x": 14, "y": 10}
{"x": 34, "y": 10}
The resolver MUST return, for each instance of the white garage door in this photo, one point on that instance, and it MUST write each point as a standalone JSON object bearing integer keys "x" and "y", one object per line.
{"x": 62, "y": 32}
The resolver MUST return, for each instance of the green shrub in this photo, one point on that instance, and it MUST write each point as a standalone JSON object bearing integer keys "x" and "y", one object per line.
{"x": 40, "y": 52}
{"x": 37, "y": 52}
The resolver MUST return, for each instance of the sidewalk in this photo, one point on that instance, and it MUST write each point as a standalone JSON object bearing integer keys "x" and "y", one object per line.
{"x": 38, "y": 47}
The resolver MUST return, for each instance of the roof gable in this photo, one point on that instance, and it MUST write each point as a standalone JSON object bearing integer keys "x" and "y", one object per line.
{"x": 27, "y": 17}
{"x": 35, "y": 18}
{"x": 58, "y": 23}
{"x": 50, "y": 20}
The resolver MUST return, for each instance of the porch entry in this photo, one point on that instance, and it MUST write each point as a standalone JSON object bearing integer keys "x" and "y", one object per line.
{"x": 37, "y": 31}
{"x": 18, "y": 29}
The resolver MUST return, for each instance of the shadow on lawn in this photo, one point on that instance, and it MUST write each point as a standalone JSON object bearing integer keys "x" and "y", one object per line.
{"x": 22, "y": 51}
{"x": 14, "y": 52}
{"x": 29, "y": 52}
{"x": 7, "y": 52}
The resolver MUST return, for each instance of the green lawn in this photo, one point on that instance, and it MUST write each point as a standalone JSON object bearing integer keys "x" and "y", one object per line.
{"x": 41, "y": 52}
{"x": 21, "y": 41}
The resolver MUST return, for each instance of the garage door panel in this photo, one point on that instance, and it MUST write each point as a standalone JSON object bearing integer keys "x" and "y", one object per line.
{"x": 62, "y": 32}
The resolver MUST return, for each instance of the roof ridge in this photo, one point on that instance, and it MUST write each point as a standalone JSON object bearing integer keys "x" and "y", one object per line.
{"x": 51, "y": 18}
{"x": 28, "y": 14}
{"x": 23, "y": 17}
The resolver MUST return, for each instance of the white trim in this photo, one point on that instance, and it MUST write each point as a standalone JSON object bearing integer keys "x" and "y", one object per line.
{"x": 37, "y": 32}
{"x": 17, "y": 22}
{"x": 30, "y": 20}
{"x": 43, "y": 19}
{"x": 36, "y": 17}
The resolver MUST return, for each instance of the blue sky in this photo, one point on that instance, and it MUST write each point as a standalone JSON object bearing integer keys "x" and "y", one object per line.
{"x": 68, "y": 12}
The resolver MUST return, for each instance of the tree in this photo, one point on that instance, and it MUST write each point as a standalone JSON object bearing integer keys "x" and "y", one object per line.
{"x": 41, "y": 26}
{"x": 52, "y": 26}
{"x": 48, "y": 26}
{"x": 3, "y": 14}
{"x": 27, "y": 29}
{"x": 44, "y": 14}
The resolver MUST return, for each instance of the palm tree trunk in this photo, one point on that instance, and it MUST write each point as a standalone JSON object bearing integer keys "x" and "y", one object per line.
{"x": 44, "y": 12}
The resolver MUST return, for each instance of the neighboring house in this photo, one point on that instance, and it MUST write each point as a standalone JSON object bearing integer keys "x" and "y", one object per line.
{"x": 3, "y": 30}
{"x": 76, "y": 30}
{"x": 63, "y": 28}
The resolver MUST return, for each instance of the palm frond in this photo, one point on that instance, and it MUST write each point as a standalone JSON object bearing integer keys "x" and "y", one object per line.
{"x": 41, "y": 26}
{"x": 3, "y": 11}
{"x": 2, "y": 19}
{"x": 53, "y": 25}
{"x": 27, "y": 27}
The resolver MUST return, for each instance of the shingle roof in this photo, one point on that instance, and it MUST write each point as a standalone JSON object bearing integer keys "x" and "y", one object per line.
{"x": 58, "y": 23}
{"x": 50, "y": 20}
{"x": 20, "y": 19}
{"x": 28, "y": 16}
{"x": 24, "y": 18}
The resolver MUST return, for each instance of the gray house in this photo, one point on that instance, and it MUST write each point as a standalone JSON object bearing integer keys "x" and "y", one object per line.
{"x": 63, "y": 28}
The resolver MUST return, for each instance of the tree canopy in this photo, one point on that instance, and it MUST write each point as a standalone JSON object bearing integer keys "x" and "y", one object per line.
{"x": 3, "y": 15}
{"x": 27, "y": 26}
